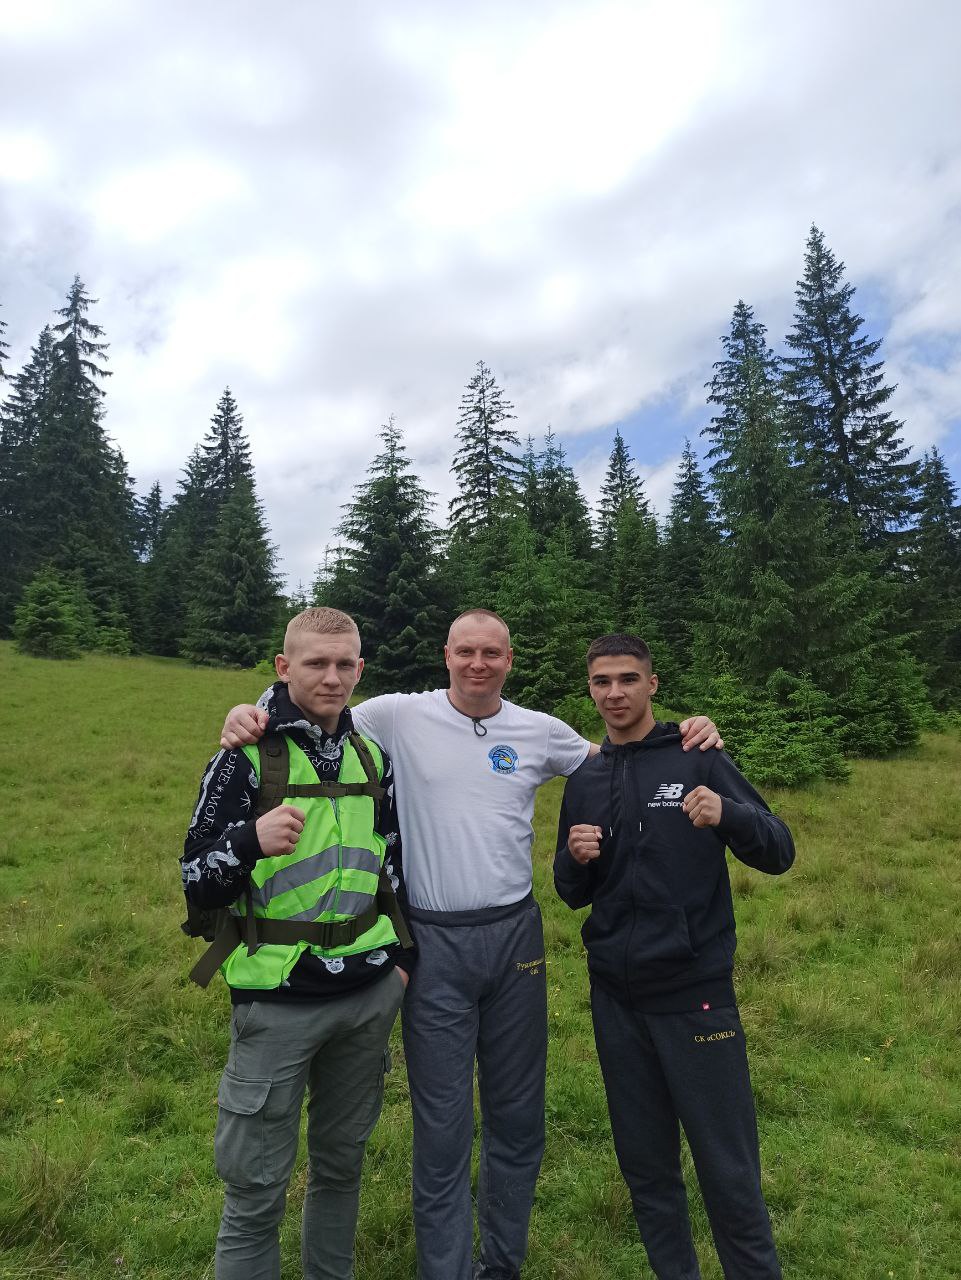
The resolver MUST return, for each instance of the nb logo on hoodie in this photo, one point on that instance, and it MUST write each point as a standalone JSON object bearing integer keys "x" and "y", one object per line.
{"x": 669, "y": 791}
{"x": 668, "y": 795}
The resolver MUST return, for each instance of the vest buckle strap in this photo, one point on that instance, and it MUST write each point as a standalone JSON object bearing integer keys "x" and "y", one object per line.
{"x": 258, "y": 931}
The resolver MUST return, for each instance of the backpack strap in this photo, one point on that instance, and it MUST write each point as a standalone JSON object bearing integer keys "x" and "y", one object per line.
{"x": 374, "y": 787}
{"x": 274, "y": 771}
{"x": 274, "y": 755}
{"x": 387, "y": 905}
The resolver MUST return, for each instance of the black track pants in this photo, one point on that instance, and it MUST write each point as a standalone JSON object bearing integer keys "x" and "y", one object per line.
{"x": 663, "y": 1068}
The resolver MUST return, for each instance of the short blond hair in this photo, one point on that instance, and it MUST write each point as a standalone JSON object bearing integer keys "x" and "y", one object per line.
{"x": 321, "y": 620}
{"x": 480, "y": 613}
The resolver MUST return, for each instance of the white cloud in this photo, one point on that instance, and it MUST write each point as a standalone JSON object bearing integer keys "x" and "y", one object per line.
{"x": 24, "y": 157}
{"x": 149, "y": 202}
{"x": 339, "y": 209}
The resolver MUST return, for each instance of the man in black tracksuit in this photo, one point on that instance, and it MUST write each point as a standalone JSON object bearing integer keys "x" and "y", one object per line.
{"x": 642, "y": 838}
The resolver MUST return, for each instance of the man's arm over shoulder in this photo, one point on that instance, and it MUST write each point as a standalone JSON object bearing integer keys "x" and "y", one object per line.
{"x": 222, "y": 846}
{"x": 566, "y": 749}
{"x": 747, "y": 826}
{"x": 374, "y": 718}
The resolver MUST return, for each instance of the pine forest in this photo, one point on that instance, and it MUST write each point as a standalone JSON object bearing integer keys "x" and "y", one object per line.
{"x": 804, "y": 588}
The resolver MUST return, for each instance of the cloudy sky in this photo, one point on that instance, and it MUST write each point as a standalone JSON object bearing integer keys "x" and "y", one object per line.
{"x": 338, "y": 208}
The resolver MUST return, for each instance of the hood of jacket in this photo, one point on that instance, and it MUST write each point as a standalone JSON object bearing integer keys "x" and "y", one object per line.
{"x": 663, "y": 734}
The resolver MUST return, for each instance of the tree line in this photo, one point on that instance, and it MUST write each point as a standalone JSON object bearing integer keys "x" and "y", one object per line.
{"x": 804, "y": 587}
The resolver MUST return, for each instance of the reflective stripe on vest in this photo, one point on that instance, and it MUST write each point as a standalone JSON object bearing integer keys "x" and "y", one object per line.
{"x": 331, "y": 874}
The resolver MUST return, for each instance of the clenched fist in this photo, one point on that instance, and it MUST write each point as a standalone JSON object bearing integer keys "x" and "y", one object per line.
{"x": 279, "y": 830}
{"x": 584, "y": 842}
{"x": 703, "y": 807}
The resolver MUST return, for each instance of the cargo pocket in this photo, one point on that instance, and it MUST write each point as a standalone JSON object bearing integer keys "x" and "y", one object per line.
{"x": 239, "y": 1140}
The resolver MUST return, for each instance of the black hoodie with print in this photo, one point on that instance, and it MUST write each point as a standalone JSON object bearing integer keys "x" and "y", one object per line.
{"x": 222, "y": 848}
{"x": 661, "y": 936}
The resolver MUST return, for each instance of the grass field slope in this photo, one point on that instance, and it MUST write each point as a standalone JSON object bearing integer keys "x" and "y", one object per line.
{"x": 848, "y": 971}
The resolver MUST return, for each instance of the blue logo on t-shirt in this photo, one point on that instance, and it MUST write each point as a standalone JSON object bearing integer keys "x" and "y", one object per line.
{"x": 503, "y": 759}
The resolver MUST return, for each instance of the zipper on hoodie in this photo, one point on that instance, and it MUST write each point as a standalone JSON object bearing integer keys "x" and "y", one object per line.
{"x": 632, "y": 867}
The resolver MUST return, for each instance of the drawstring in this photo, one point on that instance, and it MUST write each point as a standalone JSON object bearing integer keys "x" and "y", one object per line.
{"x": 480, "y": 728}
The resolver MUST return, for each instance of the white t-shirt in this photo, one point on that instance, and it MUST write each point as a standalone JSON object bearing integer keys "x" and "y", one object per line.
{"x": 465, "y": 802}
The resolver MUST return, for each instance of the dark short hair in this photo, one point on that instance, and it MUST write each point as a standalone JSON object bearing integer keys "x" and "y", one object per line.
{"x": 619, "y": 645}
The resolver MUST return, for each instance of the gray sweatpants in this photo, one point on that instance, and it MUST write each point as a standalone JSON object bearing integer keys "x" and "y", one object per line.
{"x": 479, "y": 992}
{"x": 336, "y": 1049}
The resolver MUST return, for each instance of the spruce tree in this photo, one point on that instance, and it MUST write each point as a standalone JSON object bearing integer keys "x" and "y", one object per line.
{"x": 79, "y": 344}
{"x": 486, "y": 464}
{"x": 473, "y": 562}
{"x": 557, "y": 502}
{"x": 22, "y": 418}
{"x": 224, "y": 450}
{"x": 621, "y": 484}
{"x": 522, "y": 596}
{"x": 232, "y": 612}
{"x": 551, "y": 496}
{"x": 386, "y": 576}
{"x": 72, "y": 497}
{"x": 782, "y": 735}
{"x": 838, "y": 397}
{"x": 46, "y": 623}
{"x": 792, "y": 594}
{"x": 324, "y": 588}
{"x": 150, "y": 511}
{"x": 83, "y": 505}
{"x": 934, "y": 591}
{"x": 629, "y": 576}
{"x": 770, "y": 583}
{"x": 553, "y": 610}
{"x": 183, "y": 533}
{"x": 528, "y": 487}
{"x": 689, "y": 544}
{"x": 4, "y": 350}
{"x": 216, "y": 469}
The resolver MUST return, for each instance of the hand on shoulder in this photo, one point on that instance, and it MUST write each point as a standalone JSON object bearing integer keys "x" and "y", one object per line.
{"x": 699, "y": 731}
{"x": 245, "y": 725}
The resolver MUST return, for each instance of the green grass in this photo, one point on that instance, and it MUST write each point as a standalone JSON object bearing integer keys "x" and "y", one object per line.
{"x": 848, "y": 972}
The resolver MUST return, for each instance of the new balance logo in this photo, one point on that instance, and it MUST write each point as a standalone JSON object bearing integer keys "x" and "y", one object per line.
{"x": 669, "y": 791}
{"x": 667, "y": 796}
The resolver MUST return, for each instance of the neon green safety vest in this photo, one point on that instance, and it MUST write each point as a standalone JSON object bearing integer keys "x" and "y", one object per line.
{"x": 332, "y": 874}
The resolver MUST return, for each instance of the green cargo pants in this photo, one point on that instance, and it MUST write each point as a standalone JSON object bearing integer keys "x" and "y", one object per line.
{"x": 336, "y": 1050}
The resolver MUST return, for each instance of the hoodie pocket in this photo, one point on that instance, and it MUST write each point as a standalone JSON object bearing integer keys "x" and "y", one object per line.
{"x": 650, "y": 942}
{"x": 659, "y": 937}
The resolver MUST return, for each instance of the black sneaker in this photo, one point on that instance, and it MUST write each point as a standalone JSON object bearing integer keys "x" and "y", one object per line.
{"x": 482, "y": 1272}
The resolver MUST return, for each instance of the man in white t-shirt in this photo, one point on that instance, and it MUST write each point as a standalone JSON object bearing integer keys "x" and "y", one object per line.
{"x": 468, "y": 765}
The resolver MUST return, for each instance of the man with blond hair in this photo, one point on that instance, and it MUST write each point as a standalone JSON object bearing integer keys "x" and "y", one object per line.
{"x": 469, "y": 764}
{"x": 311, "y": 952}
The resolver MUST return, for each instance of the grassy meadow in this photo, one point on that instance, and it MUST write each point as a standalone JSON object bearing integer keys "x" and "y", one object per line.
{"x": 848, "y": 974}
